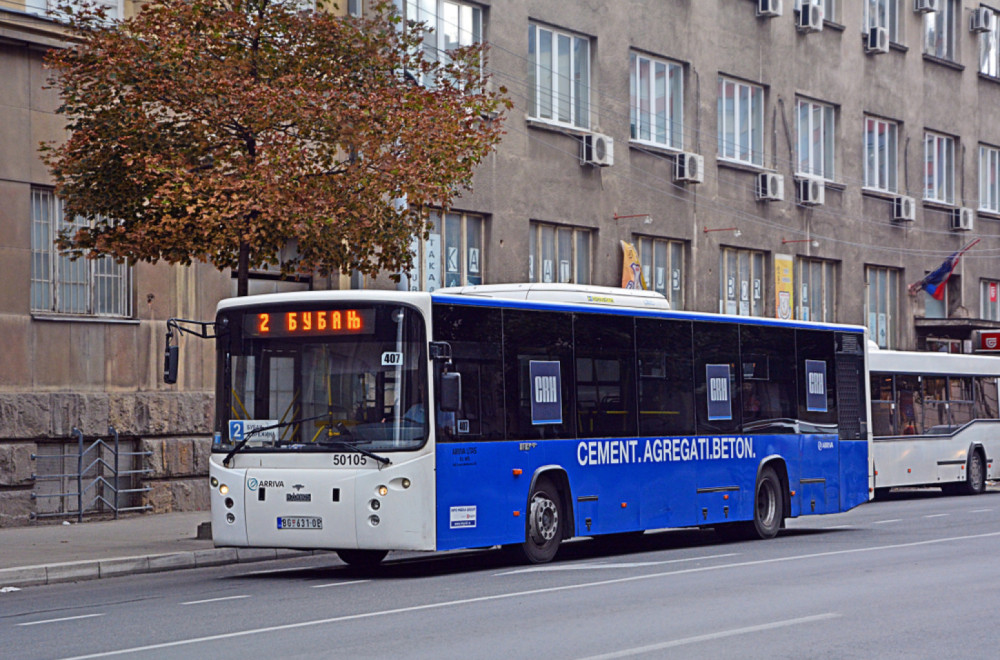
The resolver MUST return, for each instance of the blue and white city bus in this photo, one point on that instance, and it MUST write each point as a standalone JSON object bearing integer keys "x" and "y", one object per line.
{"x": 524, "y": 415}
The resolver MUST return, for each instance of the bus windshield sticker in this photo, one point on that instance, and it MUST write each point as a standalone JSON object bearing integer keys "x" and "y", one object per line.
{"x": 816, "y": 386}
{"x": 392, "y": 359}
{"x": 546, "y": 392}
{"x": 462, "y": 516}
{"x": 719, "y": 403}
{"x": 238, "y": 428}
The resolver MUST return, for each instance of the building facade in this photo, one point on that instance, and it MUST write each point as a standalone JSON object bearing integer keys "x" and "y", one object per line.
{"x": 798, "y": 159}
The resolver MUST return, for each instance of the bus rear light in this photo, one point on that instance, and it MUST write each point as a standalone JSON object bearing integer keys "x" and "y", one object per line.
{"x": 624, "y": 504}
{"x": 517, "y": 472}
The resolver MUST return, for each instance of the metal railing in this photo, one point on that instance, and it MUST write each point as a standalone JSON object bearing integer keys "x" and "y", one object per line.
{"x": 94, "y": 480}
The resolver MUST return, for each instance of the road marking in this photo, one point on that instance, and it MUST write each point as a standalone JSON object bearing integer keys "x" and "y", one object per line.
{"x": 339, "y": 584}
{"x": 980, "y": 511}
{"x": 886, "y": 522}
{"x": 65, "y": 618}
{"x": 214, "y": 600}
{"x": 592, "y": 566}
{"x": 522, "y": 594}
{"x": 937, "y": 515}
{"x": 638, "y": 650}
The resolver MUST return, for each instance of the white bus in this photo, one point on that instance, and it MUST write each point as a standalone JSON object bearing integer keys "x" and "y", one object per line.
{"x": 935, "y": 420}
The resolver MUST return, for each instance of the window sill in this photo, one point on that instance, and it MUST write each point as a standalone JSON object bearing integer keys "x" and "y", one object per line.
{"x": 829, "y": 184}
{"x": 948, "y": 64}
{"x": 935, "y": 204}
{"x": 565, "y": 129}
{"x": 987, "y": 214}
{"x": 988, "y": 77}
{"x": 879, "y": 194}
{"x": 833, "y": 25}
{"x": 740, "y": 166}
{"x": 639, "y": 145}
{"x": 898, "y": 47}
{"x": 77, "y": 318}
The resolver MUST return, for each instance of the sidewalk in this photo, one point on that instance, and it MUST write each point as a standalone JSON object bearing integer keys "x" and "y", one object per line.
{"x": 53, "y": 552}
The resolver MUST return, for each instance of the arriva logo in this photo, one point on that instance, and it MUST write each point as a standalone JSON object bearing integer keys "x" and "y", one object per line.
{"x": 252, "y": 484}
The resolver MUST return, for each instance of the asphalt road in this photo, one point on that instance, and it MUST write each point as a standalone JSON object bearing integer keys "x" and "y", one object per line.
{"x": 915, "y": 576}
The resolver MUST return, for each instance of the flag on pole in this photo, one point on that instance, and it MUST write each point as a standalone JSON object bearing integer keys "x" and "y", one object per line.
{"x": 935, "y": 281}
{"x": 631, "y": 268}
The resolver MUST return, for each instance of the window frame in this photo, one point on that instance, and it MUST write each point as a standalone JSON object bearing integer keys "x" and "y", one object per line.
{"x": 828, "y": 275}
{"x": 932, "y": 168}
{"x": 989, "y": 309}
{"x": 826, "y": 147}
{"x": 886, "y": 168}
{"x": 887, "y": 18}
{"x": 735, "y": 150}
{"x": 577, "y": 270}
{"x": 431, "y": 276}
{"x": 578, "y": 102}
{"x": 673, "y": 102}
{"x": 883, "y": 284}
{"x": 92, "y": 288}
{"x": 652, "y": 250}
{"x": 989, "y": 49}
{"x": 989, "y": 178}
{"x": 754, "y": 267}
{"x": 942, "y": 27}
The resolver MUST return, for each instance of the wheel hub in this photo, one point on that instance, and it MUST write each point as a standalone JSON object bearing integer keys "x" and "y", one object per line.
{"x": 544, "y": 520}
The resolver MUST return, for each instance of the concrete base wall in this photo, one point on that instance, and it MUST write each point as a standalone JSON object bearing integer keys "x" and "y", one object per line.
{"x": 168, "y": 432}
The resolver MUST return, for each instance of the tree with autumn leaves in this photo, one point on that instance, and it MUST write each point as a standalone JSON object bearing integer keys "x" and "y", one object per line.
{"x": 224, "y": 130}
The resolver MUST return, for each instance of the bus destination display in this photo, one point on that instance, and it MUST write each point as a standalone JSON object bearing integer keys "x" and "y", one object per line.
{"x": 310, "y": 323}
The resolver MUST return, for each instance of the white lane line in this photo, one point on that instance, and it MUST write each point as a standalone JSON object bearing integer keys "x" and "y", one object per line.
{"x": 937, "y": 515}
{"x": 722, "y": 634}
{"x": 980, "y": 511}
{"x": 65, "y": 618}
{"x": 838, "y": 527}
{"x": 592, "y": 566}
{"x": 886, "y": 522}
{"x": 339, "y": 584}
{"x": 529, "y": 592}
{"x": 214, "y": 600}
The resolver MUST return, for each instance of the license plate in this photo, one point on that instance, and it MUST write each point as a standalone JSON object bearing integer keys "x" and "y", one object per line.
{"x": 300, "y": 522}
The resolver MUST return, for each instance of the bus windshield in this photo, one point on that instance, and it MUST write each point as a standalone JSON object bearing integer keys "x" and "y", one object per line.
{"x": 327, "y": 379}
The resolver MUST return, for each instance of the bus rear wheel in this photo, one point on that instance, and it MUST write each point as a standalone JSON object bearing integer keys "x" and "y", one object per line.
{"x": 768, "y": 506}
{"x": 975, "y": 479}
{"x": 545, "y": 526}
{"x": 362, "y": 558}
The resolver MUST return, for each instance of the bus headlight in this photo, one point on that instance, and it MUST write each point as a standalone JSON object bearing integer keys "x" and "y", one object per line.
{"x": 375, "y": 504}
{"x": 214, "y": 482}
{"x": 374, "y": 521}
{"x": 383, "y": 490}
{"x": 406, "y": 483}
{"x": 224, "y": 489}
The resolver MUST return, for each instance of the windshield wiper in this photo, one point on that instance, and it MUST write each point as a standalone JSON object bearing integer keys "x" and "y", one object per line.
{"x": 249, "y": 434}
{"x": 382, "y": 460}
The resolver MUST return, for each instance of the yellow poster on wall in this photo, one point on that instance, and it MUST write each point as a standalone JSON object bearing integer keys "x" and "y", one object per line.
{"x": 783, "y": 286}
{"x": 631, "y": 268}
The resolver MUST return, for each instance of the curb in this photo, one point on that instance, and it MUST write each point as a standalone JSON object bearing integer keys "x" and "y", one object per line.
{"x": 96, "y": 569}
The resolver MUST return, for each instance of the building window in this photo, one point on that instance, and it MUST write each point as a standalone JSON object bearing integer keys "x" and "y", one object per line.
{"x": 883, "y": 14}
{"x": 452, "y": 25}
{"x": 941, "y": 30}
{"x": 354, "y": 7}
{"x": 882, "y": 305}
{"x": 558, "y": 253}
{"x": 452, "y": 255}
{"x": 41, "y": 7}
{"x": 989, "y": 186}
{"x": 657, "y": 101}
{"x": 663, "y": 267}
{"x": 741, "y": 282}
{"x": 881, "y": 140}
{"x": 989, "y": 295}
{"x": 939, "y": 168}
{"x": 559, "y": 77}
{"x": 817, "y": 290}
{"x": 741, "y": 121}
{"x": 829, "y": 9}
{"x": 816, "y": 135}
{"x": 93, "y": 287}
{"x": 989, "y": 51}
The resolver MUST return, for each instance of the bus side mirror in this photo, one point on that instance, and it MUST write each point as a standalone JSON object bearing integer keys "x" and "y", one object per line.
{"x": 450, "y": 392}
{"x": 170, "y": 356}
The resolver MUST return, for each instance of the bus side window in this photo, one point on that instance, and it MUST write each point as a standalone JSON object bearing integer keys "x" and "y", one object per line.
{"x": 812, "y": 346}
{"x": 986, "y": 398}
{"x": 666, "y": 382}
{"x": 716, "y": 346}
{"x": 475, "y": 337}
{"x": 605, "y": 375}
{"x": 768, "y": 379}
{"x": 546, "y": 339}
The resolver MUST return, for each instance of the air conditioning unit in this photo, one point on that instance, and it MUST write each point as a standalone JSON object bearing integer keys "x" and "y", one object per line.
{"x": 962, "y": 219}
{"x": 904, "y": 209}
{"x": 926, "y": 6}
{"x": 689, "y": 167}
{"x": 810, "y": 17}
{"x": 810, "y": 190}
{"x": 769, "y": 8}
{"x": 982, "y": 19}
{"x": 597, "y": 149}
{"x": 878, "y": 40}
{"x": 770, "y": 187}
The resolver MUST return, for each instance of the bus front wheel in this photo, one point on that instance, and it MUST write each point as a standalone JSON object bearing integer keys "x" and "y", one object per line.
{"x": 544, "y": 531}
{"x": 768, "y": 508}
{"x": 362, "y": 558}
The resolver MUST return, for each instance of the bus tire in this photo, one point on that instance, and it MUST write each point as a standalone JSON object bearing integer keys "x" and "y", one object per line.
{"x": 362, "y": 558}
{"x": 545, "y": 523}
{"x": 768, "y": 505}
{"x": 975, "y": 478}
